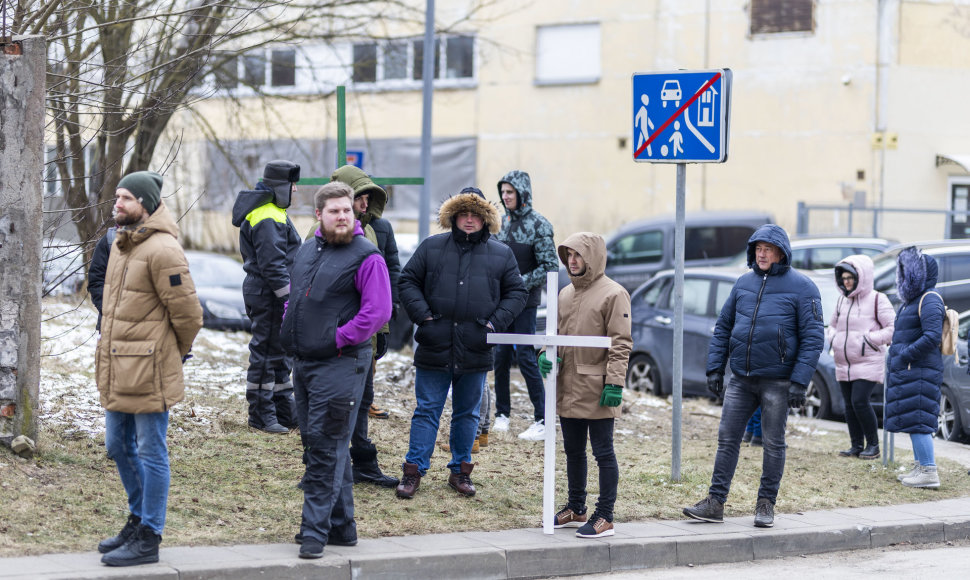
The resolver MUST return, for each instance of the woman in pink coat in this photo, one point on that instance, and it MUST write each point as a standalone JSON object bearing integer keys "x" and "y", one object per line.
{"x": 859, "y": 331}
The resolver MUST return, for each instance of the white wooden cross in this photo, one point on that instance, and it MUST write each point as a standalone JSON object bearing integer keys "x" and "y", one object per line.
{"x": 550, "y": 340}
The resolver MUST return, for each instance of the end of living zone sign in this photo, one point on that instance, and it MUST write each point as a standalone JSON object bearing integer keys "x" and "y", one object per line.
{"x": 681, "y": 116}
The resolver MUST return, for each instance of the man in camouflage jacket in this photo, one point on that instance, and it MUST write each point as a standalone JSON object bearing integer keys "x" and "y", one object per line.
{"x": 529, "y": 235}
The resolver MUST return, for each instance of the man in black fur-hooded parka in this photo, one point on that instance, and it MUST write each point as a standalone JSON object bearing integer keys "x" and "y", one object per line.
{"x": 457, "y": 287}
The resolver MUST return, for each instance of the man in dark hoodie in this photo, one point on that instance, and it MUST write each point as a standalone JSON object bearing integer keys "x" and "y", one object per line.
{"x": 268, "y": 241}
{"x": 369, "y": 202}
{"x": 529, "y": 235}
{"x": 770, "y": 330}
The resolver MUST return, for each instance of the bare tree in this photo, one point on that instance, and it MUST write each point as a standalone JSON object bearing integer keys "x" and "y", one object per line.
{"x": 119, "y": 70}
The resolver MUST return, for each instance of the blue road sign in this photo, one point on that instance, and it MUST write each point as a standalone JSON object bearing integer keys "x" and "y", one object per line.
{"x": 354, "y": 157}
{"x": 681, "y": 116}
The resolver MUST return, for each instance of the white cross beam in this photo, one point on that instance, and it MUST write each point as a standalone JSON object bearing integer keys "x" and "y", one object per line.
{"x": 551, "y": 340}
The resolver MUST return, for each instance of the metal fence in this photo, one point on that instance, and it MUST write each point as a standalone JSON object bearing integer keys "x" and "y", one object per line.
{"x": 900, "y": 223}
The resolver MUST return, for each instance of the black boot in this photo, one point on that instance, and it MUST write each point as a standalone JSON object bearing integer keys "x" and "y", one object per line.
{"x": 285, "y": 405}
{"x": 141, "y": 548}
{"x": 252, "y": 397}
{"x": 267, "y": 411}
{"x": 367, "y": 470}
{"x": 870, "y": 452}
{"x": 116, "y": 542}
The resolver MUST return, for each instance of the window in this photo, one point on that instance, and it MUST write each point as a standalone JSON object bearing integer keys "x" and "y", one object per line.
{"x": 828, "y": 257}
{"x": 638, "y": 248}
{"x": 365, "y": 63}
{"x": 696, "y": 294}
{"x": 568, "y": 54}
{"x": 226, "y": 73}
{"x": 773, "y": 16}
{"x": 254, "y": 70}
{"x": 799, "y": 258}
{"x": 402, "y": 61}
{"x": 711, "y": 242}
{"x": 954, "y": 268}
{"x": 283, "y": 68}
{"x": 655, "y": 291}
{"x": 722, "y": 292}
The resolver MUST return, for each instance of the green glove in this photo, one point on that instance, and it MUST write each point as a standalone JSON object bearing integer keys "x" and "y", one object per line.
{"x": 612, "y": 396}
{"x": 545, "y": 365}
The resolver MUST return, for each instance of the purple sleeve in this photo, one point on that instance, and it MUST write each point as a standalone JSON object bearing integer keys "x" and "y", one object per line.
{"x": 374, "y": 285}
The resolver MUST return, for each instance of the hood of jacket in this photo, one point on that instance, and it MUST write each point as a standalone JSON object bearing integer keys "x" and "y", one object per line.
{"x": 522, "y": 183}
{"x": 592, "y": 247}
{"x": 361, "y": 183}
{"x": 915, "y": 273}
{"x": 248, "y": 200}
{"x": 472, "y": 202}
{"x": 160, "y": 221}
{"x": 774, "y": 235}
{"x": 859, "y": 266}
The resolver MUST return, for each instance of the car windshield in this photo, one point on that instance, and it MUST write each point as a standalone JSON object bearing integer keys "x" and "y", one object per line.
{"x": 216, "y": 271}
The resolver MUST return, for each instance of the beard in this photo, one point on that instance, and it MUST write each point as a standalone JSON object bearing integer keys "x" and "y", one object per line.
{"x": 126, "y": 219}
{"x": 337, "y": 238}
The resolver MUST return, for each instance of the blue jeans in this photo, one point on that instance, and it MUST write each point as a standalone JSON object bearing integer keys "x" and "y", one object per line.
{"x": 923, "y": 448}
{"x": 525, "y": 356}
{"x": 136, "y": 443}
{"x": 741, "y": 397}
{"x": 754, "y": 424}
{"x": 431, "y": 390}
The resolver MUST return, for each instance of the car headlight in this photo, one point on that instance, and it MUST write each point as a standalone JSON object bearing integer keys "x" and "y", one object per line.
{"x": 222, "y": 310}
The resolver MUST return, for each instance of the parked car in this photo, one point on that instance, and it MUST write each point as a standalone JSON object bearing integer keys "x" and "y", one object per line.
{"x": 63, "y": 267}
{"x": 640, "y": 249}
{"x": 218, "y": 282}
{"x": 953, "y": 284}
{"x": 705, "y": 290}
{"x": 814, "y": 253}
{"x": 955, "y": 391}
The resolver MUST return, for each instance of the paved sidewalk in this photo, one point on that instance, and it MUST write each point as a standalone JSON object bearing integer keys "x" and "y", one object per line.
{"x": 528, "y": 553}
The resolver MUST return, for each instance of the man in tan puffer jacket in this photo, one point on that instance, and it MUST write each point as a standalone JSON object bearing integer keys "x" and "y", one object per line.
{"x": 151, "y": 315}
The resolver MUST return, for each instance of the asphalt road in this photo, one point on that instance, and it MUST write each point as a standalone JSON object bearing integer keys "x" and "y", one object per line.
{"x": 925, "y": 562}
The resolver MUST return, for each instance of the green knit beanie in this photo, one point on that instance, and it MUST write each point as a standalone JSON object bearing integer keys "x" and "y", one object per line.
{"x": 146, "y": 186}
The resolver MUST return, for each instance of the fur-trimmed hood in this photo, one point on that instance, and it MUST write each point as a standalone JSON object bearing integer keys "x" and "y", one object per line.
{"x": 473, "y": 202}
{"x": 915, "y": 273}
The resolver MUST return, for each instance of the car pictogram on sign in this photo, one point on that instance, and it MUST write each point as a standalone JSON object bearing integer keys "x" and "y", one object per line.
{"x": 670, "y": 92}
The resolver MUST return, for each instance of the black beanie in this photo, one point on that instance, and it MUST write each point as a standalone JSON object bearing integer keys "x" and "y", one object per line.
{"x": 146, "y": 186}
{"x": 474, "y": 190}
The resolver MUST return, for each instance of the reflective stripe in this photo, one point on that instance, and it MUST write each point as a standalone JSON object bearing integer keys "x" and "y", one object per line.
{"x": 267, "y": 211}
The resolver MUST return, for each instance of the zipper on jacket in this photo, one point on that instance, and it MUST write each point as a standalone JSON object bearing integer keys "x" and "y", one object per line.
{"x": 781, "y": 344}
{"x": 845, "y": 343}
{"x": 754, "y": 320}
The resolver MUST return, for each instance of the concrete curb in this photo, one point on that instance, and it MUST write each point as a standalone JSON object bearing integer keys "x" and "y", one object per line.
{"x": 528, "y": 553}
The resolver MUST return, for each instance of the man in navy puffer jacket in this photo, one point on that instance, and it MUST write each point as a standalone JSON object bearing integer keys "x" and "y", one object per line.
{"x": 770, "y": 330}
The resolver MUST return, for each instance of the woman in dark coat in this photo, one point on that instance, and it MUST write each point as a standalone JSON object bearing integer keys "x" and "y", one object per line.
{"x": 916, "y": 364}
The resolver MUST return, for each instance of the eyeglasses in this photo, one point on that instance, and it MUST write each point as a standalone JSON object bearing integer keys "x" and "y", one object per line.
{"x": 848, "y": 278}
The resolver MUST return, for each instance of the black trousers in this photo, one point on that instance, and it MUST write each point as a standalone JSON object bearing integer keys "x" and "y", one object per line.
{"x": 600, "y": 435}
{"x": 267, "y": 364}
{"x": 859, "y": 416}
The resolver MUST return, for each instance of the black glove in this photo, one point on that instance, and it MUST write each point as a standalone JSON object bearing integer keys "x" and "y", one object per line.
{"x": 715, "y": 383}
{"x": 796, "y": 396}
{"x": 381, "y": 346}
{"x": 186, "y": 357}
{"x": 395, "y": 307}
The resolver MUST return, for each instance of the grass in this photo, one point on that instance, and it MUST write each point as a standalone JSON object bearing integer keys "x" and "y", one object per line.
{"x": 231, "y": 485}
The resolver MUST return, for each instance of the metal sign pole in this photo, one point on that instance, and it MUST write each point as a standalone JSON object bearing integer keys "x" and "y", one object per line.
{"x": 678, "y": 320}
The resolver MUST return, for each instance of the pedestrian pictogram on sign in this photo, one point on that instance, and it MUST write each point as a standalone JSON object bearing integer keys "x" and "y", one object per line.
{"x": 681, "y": 116}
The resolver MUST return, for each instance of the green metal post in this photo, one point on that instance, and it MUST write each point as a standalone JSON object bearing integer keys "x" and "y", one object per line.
{"x": 341, "y": 127}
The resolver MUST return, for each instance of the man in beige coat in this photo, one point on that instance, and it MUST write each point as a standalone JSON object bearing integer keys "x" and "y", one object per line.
{"x": 151, "y": 315}
{"x": 589, "y": 388}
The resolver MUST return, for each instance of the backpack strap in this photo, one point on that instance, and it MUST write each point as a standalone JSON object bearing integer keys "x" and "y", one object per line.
{"x": 919, "y": 310}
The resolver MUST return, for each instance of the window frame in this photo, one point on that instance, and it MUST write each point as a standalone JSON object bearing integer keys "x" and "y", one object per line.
{"x": 776, "y": 9}
{"x": 413, "y": 63}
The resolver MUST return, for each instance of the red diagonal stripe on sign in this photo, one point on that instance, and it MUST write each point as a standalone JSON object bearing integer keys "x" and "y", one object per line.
{"x": 683, "y": 107}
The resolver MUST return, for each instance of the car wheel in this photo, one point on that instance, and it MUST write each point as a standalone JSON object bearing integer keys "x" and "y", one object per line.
{"x": 817, "y": 401}
{"x": 950, "y": 427}
{"x": 642, "y": 375}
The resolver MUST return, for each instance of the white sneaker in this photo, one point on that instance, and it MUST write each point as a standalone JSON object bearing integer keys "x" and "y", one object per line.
{"x": 501, "y": 423}
{"x": 537, "y": 432}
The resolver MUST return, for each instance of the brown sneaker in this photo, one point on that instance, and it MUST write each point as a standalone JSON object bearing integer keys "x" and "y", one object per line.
{"x": 567, "y": 518}
{"x": 377, "y": 413}
{"x": 462, "y": 481}
{"x": 410, "y": 482}
{"x": 596, "y": 528}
